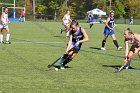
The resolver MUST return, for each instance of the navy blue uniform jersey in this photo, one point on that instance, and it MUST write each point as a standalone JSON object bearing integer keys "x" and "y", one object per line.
{"x": 91, "y": 19}
{"x": 77, "y": 37}
{"x": 108, "y": 31}
{"x": 111, "y": 22}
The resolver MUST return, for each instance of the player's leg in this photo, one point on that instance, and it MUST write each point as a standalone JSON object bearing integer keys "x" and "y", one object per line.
{"x": 91, "y": 24}
{"x": 1, "y": 35}
{"x": 64, "y": 57}
{"x": 127, "y": 60}
{"x": 68, "y": 30}
{"x": 71, "y": 55}
{"x": 7, "y": 36}
{"x": 104, "y": 42}
{"x": 115, "y": 42}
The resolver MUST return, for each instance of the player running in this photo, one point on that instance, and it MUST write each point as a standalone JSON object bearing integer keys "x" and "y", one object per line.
{"x": 4, "y": 25}
{"x": 90, "y": 19}
{"x": 134, "y": 39}
{"x": 109, "y": 30}
{"x": 77, "y": 36}
{"x": 66, "y": 22}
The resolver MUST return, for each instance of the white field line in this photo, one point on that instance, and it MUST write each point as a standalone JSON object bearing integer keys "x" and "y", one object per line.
{"x": 37, "y": 42}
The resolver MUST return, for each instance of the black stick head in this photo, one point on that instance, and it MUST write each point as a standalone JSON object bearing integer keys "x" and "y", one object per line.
{"x": 49, "y": 66}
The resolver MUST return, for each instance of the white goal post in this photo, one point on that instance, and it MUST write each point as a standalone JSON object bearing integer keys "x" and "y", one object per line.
{"x": 21, "y": 8}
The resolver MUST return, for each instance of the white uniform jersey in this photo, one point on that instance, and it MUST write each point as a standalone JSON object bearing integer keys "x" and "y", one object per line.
{"x": 4, "y": 21}
{"x": 67, "y": 20}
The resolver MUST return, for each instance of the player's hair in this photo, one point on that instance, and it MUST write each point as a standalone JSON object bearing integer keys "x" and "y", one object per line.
{"x": 129, "y": 31}
{"x": 111, "y": 11}
{"x": 74, "y": 22}
{"x": 67, "y": 10}
{"x": 5, "y": 8}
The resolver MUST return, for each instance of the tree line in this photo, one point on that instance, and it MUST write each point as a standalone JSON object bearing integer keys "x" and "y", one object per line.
{"x": 79, "y": 8}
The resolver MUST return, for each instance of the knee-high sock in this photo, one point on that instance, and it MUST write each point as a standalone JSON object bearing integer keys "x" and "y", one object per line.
{"x": 116, "y": 43}
{"x": 103, "y": 43}
{"x": 1, "y": 38}
{"x": 7, "y": 37}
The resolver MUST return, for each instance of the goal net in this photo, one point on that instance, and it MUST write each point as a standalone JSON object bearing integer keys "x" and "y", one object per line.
{"x": 14, "y": 12}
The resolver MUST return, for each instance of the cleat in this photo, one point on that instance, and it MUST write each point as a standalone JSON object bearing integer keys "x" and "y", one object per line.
{"x": 7, "y": 42}
{"x": 119, "y": 48}
{"x": 2, "y": 42}
{"x": 102, "y": 48}
{"x": 128, "y": 67}
{"x": 62, "y": 67}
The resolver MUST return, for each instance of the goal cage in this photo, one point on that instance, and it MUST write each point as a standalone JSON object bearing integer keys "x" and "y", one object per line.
{"x": 14, "y": 12}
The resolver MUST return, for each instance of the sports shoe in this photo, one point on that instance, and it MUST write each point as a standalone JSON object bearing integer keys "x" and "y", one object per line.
{"x": 128, "y": 67}
{"x": 2, "y": 42}
{"x": 62, "y": 67}
{"x": 7, "y": 42}
{"x": 119, "y": 48}
{"x": 102, "y": 48}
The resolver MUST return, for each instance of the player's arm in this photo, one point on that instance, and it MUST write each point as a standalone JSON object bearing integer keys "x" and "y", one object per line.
{"x": 63, "y": 18}
{"x": 137, "y": 37}
{"x": 126, "y": 49}
{"x": 70, "y": 20}
{"x": 8, "y": 20}
{"x": 114, "y": 25}
{"x": 2, "y": 18}
{"x": 84, "y": 39}
{"x": 108, "y": 19}
{"x": 69, "y": 43}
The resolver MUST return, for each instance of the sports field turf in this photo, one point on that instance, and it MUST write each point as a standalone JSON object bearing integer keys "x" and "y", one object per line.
{"x": 23, "y": 64}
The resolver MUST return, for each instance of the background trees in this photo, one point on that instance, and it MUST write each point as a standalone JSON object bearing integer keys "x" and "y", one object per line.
{"x": 78, "y": 8}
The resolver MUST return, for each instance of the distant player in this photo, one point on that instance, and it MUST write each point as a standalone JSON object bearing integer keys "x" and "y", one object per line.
{"x": 4, "y": 26}
{"x": 109, "y": 30}
{"x": 90, "y": 19}
{"x": 77, "y": 36}
{"x": 66, "y": 22}
{"x": 131, "y": 21}
{"x": 134, "y": 40}
{"x": 22, "y": 16}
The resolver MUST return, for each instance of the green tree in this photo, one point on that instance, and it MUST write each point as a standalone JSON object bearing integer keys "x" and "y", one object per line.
{"x": 41, "y": 9}
{"x": 134, "y": 8}
{"x": 54, "y": 6}
{"x": 119, "y": 9}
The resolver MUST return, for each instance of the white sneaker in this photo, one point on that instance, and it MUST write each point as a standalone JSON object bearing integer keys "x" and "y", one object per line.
{"x": 102, "y": 48}
{"x": 119, "y": 48}
{"x": 62, "y": 67}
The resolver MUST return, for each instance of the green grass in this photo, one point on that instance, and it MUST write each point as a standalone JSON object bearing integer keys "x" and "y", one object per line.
{"x": 23, "y": 64}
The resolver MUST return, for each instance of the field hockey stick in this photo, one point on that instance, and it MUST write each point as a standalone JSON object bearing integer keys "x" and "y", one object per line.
{"x": 63, "y": 56}
{"x": 50, "y": 65}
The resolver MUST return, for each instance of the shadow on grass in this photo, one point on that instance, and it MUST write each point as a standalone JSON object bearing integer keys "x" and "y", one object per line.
{"x": 95, "y": 48}
{"x": 59, "y": 36}
{"x": 56, "y": 66}
{"x": 113, "y": 66}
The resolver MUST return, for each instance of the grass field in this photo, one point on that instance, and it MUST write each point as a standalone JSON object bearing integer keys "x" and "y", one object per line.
{"x": 23, "y": 64}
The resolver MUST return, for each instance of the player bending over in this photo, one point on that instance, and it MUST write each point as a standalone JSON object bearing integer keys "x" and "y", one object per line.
{"x": 77, "y": 36}
{"x": 4, "y": 25}
{"x": 134, "y": 39}
{"x": 109, "y": 30}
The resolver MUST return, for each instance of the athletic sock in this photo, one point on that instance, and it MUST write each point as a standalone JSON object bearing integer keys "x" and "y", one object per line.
{"x": 63, "y": 58}
{"x": 66, "y": 61}
{"x": 116, "y": 43}
{"x": 90, "y": 25}
{"x": 1, "y": 38}
{"x": 7, "y": 37}
{"x": 68, "y": 33}
{"x": 103, "y": 43}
